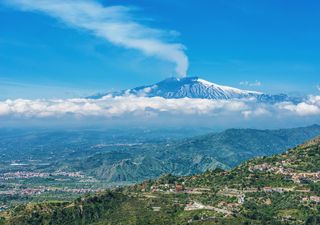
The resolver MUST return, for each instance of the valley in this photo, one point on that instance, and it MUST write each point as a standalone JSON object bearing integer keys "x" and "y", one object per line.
{"x": 48, "y": 166}
{"x": 281, "y": 189}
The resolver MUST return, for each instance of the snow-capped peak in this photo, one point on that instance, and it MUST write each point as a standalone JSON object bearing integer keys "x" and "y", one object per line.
{"x": 226, "y": 88}
{"x": 194, "y": 87}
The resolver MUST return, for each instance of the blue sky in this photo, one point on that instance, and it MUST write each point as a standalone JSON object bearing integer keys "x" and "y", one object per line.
{"x": 235, "y": 42}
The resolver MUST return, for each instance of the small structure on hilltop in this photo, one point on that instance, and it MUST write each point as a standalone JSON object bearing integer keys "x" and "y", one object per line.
{"x": 179, "y": 187}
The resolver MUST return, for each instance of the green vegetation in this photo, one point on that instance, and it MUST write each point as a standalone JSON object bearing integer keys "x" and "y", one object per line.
{"x": 281, "y": 189}
{"x": 31, "y": 159}
{"x": 189, "y": 156}
{"x": 115, "y": 157}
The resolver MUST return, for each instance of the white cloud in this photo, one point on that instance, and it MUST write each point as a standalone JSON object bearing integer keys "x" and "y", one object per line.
{"x": 113, "y": 23}
{"x": 256, "y": 112}
{"x": 116, "y": 106}
{"x": 128, "y": 106}
{"x": 318, "y": 87}
{"x": 251, "y": 84}
{"x": 311, "y": 107}
{"x": 4, "y": 109}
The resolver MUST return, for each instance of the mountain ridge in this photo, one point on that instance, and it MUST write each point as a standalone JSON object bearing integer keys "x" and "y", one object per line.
{"x": 188, "y": 156}
{"x": 195, "y": 87}
{"x": 280, "y": 189}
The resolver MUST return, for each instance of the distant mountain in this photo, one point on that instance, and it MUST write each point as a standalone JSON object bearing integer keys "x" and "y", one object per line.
{"x": 117, "y": 156}
{"x": 191, "y": 155}
{"x": 194, "y": 87}
{"x": 281, "y": 189}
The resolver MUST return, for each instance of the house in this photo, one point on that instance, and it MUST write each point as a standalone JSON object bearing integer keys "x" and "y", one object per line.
{"x": 267, "y": 189}
{"x": 241, "y": 199}
{"x": 156, "y": 209}
{"x": 179, "y": 188}
{"x": 315, "y": 199}
{"x": 275, "y": 189}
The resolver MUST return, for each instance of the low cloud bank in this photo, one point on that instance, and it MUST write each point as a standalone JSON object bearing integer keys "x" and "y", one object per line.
{"x": 142, "y": 107}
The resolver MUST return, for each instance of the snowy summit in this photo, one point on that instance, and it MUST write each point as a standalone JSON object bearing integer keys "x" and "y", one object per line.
{"x": 194, "y": 87}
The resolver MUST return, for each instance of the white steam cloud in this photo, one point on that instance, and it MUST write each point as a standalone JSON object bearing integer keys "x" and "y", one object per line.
{"x": 114, "y": 23}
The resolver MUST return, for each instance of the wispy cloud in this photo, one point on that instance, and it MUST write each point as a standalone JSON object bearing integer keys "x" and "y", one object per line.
{"x": 318, "y": 87}
{"x": 113, "y": 23}
{"x": 251, "y": 84}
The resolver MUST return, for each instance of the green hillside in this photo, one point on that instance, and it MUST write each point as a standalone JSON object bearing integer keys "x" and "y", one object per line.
{"x": 191, "y": 155}
{"x": 281, "y": 189}
{"x": 114, "y": 157}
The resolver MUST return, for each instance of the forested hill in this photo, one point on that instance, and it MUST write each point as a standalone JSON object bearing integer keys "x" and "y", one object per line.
{"x": 281, "y": 189}
{"x": 189, "y": 156}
